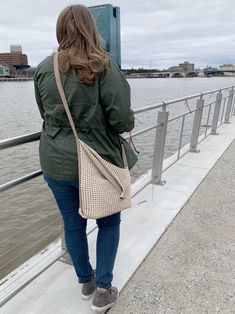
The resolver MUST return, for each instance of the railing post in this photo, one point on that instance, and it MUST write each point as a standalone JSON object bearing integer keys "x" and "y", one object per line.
{"x": 159, "y": 146}
{"x": 233, "y": 106}
{"x": 196, "y": 125}
{"x": 229, "y": 106}
{"x": 216, "y": 113}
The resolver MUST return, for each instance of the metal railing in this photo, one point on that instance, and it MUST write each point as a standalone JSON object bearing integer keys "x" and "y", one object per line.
{"x": 225, "y": 95}
{"x": 161, "y": 129}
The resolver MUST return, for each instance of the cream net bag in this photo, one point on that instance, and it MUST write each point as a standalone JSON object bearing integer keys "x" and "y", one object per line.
{"x": 104, "y": 189}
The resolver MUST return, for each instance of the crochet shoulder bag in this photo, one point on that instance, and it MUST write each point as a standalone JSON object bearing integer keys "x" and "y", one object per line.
{"x": 104, "y": 188}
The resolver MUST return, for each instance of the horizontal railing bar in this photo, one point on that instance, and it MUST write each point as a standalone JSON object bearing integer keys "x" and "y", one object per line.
{"x": 23, "y": 139}
{"x": 177, "y": 100}
{"x": 191, "y": 111}
{"x": 13, "y": 183}
{"x": 147, "y": 108}
{"x": 213, "y": 102}
{"x": 142, "y": 131}
{"x": 209, "y": 104}
{"x": 162, "y": 104}
{"x": 6, "y": 186}
{"x": 217, "y": 90}
{"x": 180, "y": 116}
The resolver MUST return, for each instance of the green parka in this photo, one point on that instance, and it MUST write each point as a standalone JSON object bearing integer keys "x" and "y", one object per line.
{"x": 100, "y": 113}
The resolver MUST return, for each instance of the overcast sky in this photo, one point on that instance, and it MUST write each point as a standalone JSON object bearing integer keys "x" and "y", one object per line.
{"x": 156, "y": 33}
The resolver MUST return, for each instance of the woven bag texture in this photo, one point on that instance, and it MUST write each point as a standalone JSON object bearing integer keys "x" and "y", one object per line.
{"x": 104, "y": 188}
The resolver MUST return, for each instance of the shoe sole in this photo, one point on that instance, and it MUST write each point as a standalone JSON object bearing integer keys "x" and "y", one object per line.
{"x": 104, "y": 308}
{"x": 87, "y": 297}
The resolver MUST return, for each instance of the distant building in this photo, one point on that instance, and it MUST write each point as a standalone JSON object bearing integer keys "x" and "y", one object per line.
{"x": 227, "y": 67}
{"x": 107, "y": 19}
{"x": 187, "y": 67}
{"x": 175, "y": 69}
{"x": 4, "y": 71}
{"x": 15, "y": 58}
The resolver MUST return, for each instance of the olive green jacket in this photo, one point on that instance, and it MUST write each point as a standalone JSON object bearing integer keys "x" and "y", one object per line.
{"x": 100, "y": 113}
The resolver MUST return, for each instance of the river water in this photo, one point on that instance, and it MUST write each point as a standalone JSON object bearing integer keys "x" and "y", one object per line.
{"x": 29, "y": 219}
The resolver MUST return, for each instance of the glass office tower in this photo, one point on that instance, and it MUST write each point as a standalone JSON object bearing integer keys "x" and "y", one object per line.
{"x": 107, "y": 19}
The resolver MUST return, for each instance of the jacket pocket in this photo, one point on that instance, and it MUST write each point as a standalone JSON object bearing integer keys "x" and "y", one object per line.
{"x": 52, "y": 131}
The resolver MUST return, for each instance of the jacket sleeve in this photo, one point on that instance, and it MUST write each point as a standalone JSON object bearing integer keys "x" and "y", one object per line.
{"x": 115, "y": 98}
{"x": 38, "y": 98}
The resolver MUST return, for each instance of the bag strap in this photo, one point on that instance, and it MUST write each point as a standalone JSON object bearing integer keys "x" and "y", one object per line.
{"x": 62, "y": 94}
{"x": 66, "y": 107}
{"x": 132, "y": 143}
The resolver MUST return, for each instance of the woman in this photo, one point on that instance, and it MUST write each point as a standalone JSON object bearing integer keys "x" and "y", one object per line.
{"x": 99, "y": 100}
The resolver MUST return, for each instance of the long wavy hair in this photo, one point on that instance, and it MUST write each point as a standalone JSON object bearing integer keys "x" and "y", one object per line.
{"x": 79, "y": 44}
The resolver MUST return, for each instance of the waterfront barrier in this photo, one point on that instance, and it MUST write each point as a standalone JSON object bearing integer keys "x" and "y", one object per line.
{"x": 15, "y": 79}
{"x": 218, "y": 111}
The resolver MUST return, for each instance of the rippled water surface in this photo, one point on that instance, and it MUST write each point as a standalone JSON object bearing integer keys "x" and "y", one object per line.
{"x": 29, "y": 219}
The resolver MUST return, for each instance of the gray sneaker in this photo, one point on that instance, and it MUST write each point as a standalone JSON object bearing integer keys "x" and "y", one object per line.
{"x": 102, "y": 301}
{"x": 88, "y": 288}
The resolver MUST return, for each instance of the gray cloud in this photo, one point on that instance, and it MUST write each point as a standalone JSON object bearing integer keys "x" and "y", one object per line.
{"x": 159, "y": 33}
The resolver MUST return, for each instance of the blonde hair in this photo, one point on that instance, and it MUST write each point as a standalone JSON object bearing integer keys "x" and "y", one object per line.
{"x": 79, "y": 44}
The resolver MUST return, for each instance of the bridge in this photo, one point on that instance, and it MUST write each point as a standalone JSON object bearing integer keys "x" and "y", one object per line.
{"x": 217, "y": 72}
{"x": 164, "y": 74}
{"x": 183, "y": 74}
{"x": 178, "y": 74}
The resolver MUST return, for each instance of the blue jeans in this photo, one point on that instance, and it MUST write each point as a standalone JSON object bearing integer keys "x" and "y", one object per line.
{"x": 67, "y": 198}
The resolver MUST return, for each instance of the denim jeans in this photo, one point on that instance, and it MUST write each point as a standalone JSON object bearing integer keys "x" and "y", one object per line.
{"x": 67, "y": 198}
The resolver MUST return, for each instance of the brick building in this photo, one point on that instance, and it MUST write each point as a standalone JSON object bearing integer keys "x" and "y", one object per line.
{"x": 15, "y": 58}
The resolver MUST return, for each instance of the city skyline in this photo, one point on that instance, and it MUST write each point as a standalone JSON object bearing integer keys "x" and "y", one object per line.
{"x": 154, "y": 34}
{"x": 167, "y": 68}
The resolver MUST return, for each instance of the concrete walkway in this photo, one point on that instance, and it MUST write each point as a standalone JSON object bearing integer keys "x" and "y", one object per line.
{"x": 191, "y": 269}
